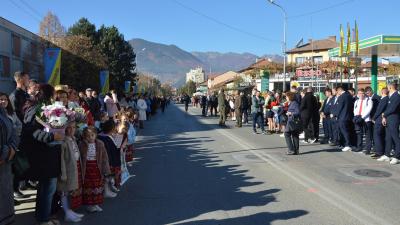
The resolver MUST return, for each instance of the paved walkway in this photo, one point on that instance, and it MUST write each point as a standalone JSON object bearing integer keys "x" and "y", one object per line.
{"x": 190, "y": 171}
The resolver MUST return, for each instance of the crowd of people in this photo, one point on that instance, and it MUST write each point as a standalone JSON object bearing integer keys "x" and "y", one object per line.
{"x": 73, "y": 167}
{"x": 363, "y": 122}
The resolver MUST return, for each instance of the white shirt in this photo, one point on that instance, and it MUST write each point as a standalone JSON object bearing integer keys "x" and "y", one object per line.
{"x": 91, "y": 153}
{"x": 366, "y": 108}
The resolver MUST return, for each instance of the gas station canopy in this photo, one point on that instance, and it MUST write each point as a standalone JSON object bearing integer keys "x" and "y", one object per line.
{"x": 380, "y": 45}
{"x": 373, "y": 47}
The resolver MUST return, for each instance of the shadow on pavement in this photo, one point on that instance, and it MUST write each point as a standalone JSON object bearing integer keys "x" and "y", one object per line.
{"x": 179, "y": 180}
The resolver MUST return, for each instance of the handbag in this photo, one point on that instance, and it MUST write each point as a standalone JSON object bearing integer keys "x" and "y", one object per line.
{"x": 20, "y": 164}
{"x": 294, "y": 124}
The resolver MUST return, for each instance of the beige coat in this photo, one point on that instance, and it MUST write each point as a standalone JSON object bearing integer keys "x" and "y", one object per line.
{"x": 68, "y": 181}
{"x": 101, "y": 157}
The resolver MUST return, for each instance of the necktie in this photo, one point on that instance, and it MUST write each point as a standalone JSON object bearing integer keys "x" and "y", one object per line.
{"x": 361, "y": 105}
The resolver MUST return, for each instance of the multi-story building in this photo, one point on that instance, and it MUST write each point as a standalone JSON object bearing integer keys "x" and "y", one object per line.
{"x": 196, "y": 75}
{"x": 314, "y": 51}
{"x": 19, "y": 51}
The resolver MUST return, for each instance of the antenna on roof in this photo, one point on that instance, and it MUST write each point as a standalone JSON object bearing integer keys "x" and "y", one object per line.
{"x": 300, "y": 43}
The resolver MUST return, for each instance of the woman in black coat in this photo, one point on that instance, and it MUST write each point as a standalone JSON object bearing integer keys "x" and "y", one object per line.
{"x": 7, "y": 151}
{"x": 44, "y": 159}
{"x": 292, "y": 136}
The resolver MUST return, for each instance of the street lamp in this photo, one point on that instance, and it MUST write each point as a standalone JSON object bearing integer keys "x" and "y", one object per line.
{"x": 284, "y": 41}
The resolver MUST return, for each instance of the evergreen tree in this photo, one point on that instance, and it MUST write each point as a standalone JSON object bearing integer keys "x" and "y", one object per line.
{"x": 83, "y": 27}
{"x": 120, "y": 56}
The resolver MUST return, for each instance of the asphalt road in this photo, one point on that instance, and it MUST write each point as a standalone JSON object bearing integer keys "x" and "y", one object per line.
{"x": 190, "y": 171}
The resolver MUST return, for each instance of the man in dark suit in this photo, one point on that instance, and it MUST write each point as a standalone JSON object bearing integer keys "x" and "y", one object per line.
{"x": 308, "y": 109}
{"x": 379, "y": 129}
{"x": 344, "y": 116}
{"x": 391, "y": 120}
{"x": 369, "y": 138}
{"x": 325, "y": 114}
{"x": 336, "y": 138}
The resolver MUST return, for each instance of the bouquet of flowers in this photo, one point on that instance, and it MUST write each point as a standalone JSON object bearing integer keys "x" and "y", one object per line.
{"x": 55, "y": 117}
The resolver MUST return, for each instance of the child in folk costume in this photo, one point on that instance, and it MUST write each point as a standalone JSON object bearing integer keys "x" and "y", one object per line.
{"x": 121, "y": 140}
{"x": 131, "y": 138}
{"x": 95, "y": 168}
{"x": 70, "y": 181}
{"x": 114, "y": 154}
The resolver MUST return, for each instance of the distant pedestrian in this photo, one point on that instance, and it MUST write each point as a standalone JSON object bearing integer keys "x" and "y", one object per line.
{"x": 222, "y": 107}
{"x": 245, "y": 108}
{"x": 257, "y": 112}
{"x": 291, "y": 130}
{"x": 238, "y": 109}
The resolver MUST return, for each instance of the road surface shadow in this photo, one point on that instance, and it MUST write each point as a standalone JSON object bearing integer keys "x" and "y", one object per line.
{"x": 178, "y": 180}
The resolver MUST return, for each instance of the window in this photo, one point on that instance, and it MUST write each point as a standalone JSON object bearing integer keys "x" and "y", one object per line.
{"x": 300, "y": 60}
{"x": 33, "y": 52}
{"x": 16, "y": 45}
{"x": 4, "y": 66}
{"x": 318, "y": 59}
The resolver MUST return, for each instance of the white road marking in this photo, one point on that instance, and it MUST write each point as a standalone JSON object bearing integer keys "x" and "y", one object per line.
{"x": 354, "y": 210}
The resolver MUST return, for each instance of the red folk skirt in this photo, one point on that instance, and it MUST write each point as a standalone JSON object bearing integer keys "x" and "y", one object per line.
{"x": 117, "y": 175}
{"x": 93, "y": 185}
{"x": 129, "y": 154}
{"x": 76, "y": 196}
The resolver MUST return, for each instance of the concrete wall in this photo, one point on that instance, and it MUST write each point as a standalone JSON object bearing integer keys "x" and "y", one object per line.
{"x": 24, "y": 60}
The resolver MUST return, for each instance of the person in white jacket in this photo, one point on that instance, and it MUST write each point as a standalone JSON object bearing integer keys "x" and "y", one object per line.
{"x": 142, "y": 107}
{"x": 111, "y": 102}
{"x": 362, "y": 110}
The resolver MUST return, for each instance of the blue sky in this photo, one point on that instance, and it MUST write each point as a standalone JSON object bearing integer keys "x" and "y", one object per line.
{"x": 206, "y": 25}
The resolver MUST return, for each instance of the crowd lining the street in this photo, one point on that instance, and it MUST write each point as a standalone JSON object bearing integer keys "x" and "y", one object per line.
{"x": 363, "y": 122}
{"x": 78, "y": 166}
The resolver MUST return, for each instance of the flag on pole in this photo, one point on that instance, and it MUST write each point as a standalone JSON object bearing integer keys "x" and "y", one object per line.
{"x": 357, "y": 39}
{"x": 127, "y": 86}
{"x": 52, "y": 66}
{"x": 104, "y": 81}
{"x": 341, "y": 41}
{"x": 348, "y": 40}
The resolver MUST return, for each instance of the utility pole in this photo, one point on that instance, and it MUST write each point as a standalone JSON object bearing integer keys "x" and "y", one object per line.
{"x": 284, "y": 41}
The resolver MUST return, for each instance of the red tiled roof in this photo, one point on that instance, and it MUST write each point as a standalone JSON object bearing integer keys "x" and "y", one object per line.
{"x": 262, "y": 63}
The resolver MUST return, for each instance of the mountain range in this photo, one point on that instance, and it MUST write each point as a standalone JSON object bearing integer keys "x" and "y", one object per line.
{"x": 170, "y": 63}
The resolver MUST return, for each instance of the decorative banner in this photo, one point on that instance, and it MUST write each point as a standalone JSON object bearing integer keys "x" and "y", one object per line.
{"x": 127, "y": 86}
{"x": 357, "y": 39}
{"x": 52, "y": 66}
{"x": 341, "y": 41}
{"x": 348, "y": 47}
{"x": 104, "y": 81}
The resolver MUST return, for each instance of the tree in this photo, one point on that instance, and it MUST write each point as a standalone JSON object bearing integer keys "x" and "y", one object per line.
{"x": 81, "y": 62}
{"x": 85, "y": 28}
{"x": 51, "y": 29}
{"x": 148, "y": 84}
{"x": 189, "y": 88}
{"x": 120, "y": 56}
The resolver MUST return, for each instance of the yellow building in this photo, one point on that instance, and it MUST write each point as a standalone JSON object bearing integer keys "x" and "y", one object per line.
{"x": 314, "y": 51}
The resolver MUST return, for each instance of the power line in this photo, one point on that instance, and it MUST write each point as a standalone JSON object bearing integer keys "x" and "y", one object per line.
{"x": 32, "y": 9}
{"x": 26, "y": 11}
{"x": 222, "y": 23}
{"x": 321, "y": 10}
